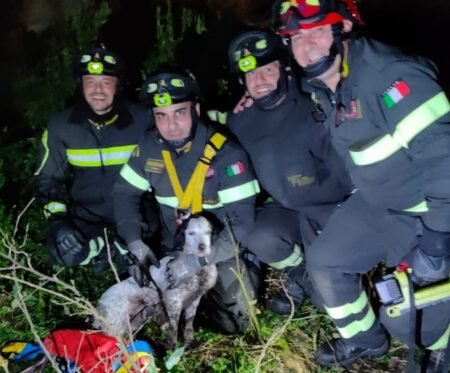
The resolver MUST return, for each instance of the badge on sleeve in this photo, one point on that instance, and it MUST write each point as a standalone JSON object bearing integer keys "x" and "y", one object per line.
{"x": 395, "y": 93}
{"x": 235, "y": 169}
{"x": 155, "y": 166}
{"x": 354, "y": 110}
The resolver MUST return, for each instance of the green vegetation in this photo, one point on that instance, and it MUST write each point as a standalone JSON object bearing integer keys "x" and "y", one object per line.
{"x": 36, "y": 298}
{"x": 169, "y": 33}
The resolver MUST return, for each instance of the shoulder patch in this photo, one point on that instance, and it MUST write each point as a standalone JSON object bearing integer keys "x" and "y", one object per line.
{"x": 235, "y": 169}
{"x": 354, "y": 110}
{"x": 154, "y": 165}
{"x": 396, "y": 92}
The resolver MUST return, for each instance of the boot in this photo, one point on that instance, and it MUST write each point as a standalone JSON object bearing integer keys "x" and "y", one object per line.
{"x": 295, "y": 280}
{"x": 433, "y": 362}
{"x": 341, "y": 352}
{"x": 279, "y": 302}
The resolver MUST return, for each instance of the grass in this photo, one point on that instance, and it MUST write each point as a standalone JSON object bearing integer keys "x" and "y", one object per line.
{"x": 33, "y": 302}
{"x": 291, "y": 352}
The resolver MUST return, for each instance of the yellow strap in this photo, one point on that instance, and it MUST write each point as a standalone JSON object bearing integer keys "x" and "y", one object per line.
{"x": 191, "y": 198}
{"x": 218, "y": 140}
{"x": 176, "y": 186}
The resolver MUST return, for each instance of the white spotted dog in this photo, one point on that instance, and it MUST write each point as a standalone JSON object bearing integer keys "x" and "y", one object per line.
{"x": 125, "y": 307}
{"x": 125, "y": 304}
{"x": 194, "y": 236}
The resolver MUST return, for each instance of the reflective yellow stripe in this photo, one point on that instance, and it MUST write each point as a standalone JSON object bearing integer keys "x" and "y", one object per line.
{"x": 46, "y": 152}
{"x": 348, "y": 309}
{"x": 134, "y": 178}
{"x": 54, "y": 208}
{"x": 292, "y": 260}
{"x": 168, "y": 201}
{"x": 441, "y": 342}
{"x": 121, "y": 249}
{"x": 382, "y": 149}
{"x": 173, "y": 202}
{"x": 96, "y": 245}
{"x": 239, "y": 192}
{"x": 408, "y": 128}
{"x": 420, "y": 207}
{"x": 217, "y": 116}
{"x": 358, "y": 326}
{"x": 112, "y": 156}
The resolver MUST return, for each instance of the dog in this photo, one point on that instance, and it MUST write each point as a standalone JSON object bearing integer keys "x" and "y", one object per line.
{"x": 125, "y": 307}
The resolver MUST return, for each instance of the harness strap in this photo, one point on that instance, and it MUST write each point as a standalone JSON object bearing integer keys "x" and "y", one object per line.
{"x": 191, "y": 198}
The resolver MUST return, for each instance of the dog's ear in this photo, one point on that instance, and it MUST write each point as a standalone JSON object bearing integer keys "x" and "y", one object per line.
{"x": 215, "y": 231}
{"x": 179, "y": 239}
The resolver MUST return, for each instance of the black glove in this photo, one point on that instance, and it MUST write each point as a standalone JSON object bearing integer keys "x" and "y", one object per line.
{"x": 141, "y": 256}
{"x": 430, "y": 262}
{"x": 435, "y": 243}
{"x": 183, "y": 266}
{"x": 68, "y": 239}
{"x": 427, "y": 269}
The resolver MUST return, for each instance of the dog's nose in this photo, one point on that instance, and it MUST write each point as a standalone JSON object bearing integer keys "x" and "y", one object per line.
{"x": 201, "y": 246}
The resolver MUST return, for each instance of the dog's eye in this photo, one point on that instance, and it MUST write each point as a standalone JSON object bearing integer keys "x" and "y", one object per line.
{"x": 190, "y": 233}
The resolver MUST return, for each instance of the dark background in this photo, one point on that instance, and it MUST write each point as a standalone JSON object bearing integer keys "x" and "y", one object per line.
{"x": 418, "y": 27}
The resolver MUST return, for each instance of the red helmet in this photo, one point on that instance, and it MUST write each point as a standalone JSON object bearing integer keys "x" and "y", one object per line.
{"x": 292, "y": 15}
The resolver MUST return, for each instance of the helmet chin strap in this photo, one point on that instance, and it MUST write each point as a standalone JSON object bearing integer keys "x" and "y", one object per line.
{"x": 318, "y": 68}
{"x": 268, "y": 101}
{"x": 177, "y": 144}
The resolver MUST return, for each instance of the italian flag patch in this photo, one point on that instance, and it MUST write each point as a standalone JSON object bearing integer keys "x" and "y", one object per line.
{"x": 395, "y": 93}
{"x": 235, "y": 169}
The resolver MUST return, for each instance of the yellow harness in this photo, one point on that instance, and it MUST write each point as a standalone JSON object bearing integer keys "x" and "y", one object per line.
{"x": 191, "y": 198}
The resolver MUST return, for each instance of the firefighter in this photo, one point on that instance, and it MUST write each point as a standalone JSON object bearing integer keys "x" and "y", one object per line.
{"x": 389, "y": 120}
{"x": 81, "y": 153}
{"x": 191, "y": 167}
{"x": 293, "y": 160}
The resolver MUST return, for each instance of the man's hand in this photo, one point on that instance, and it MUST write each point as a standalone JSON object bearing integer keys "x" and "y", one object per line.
{"x": 69, "y": 240}
{"x": 140, "y": 258}
{"x": 245, "y": 102}
{"x": 181, "y": 267}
